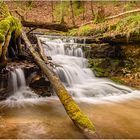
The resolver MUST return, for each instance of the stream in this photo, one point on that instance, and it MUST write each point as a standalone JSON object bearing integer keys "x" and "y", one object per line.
{"x": 113, "y": 108}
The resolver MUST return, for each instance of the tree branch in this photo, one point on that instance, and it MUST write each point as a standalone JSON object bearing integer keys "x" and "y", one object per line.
{"x": 122, "y": 14}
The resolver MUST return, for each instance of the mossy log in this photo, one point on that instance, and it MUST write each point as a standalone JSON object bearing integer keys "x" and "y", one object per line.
{"x": 5, "y": 47}
{"x": 72, "y": 109}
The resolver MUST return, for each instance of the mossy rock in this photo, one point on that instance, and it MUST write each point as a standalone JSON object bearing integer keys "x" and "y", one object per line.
{"x": 105, "y": 67}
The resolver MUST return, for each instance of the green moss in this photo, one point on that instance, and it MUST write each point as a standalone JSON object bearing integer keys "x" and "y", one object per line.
{"x": 17, "y": 27}
{"x": 85, "y": 30}
{"x": 125, "y": 23}
{"x": 74, "y": 111}
{"x": 105, "y": 67}
{"x": 2, "y": 38}
{"x": 78, "y": 117}
{"x": 73, "y": 32}
{"x": 99, "y": 71}
{"x": 117, "y": 80}
{"x": 9, "y": 23}
{"x": 128, "y": 25}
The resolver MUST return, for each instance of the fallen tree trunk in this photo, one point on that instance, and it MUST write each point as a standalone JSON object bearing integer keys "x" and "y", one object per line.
{"x": 35, "y": 25}
{"x": 50, "y": 26}
{"x": 122, "y": 14}
{"x": 72, "y": 109}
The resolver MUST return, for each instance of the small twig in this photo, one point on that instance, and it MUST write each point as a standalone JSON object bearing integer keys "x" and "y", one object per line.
{"x": 22, "y": 17}
{"x": 32, "y": 29}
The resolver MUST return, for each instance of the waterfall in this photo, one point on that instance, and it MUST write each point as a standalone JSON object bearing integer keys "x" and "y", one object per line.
{"x": 17, "y": 86}
{"x": 79, "y": 80}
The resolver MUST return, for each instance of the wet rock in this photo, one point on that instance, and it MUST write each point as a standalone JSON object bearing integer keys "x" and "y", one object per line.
{"x": 48, "y": 94}
{"x": 40, "y": 85}
{"x": 101, "y": 51}
{"x": 4, "y": 93}
{"x": 49, "y": 57}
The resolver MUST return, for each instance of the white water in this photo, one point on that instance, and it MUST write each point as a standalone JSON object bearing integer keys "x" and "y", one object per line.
{"x": 79, "y": 80}
{"x": 20, "y": 93}
{"x": 77, "y": 77}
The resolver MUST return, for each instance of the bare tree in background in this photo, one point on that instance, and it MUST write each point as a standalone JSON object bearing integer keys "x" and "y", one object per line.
{"x": 91, "y": 5}
{"x": 52, "y": 8}
{"x": 99, "y": 14}
{"x": 83, "y": 12}
{"x": 72, "y": 13}
{"x": 62, "y": 12}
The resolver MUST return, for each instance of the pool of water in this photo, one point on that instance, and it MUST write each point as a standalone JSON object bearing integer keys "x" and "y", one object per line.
{"x": 49, "y": 120}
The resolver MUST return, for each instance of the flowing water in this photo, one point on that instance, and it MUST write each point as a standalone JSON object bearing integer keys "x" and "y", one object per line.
{"x": 79, "y": 80}
{"x": 19, "y": 91}
{"x": 25, "y": 115}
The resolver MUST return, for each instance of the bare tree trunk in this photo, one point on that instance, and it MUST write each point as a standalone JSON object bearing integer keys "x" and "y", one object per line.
{"x": 52, "y": 8}
{"x": 72, "y": 13}
{"x": 99, "y": 14}
{"x": 72, "y": 109}
{"x": 19, "y": 47}
{"x": 91, "y": 5}
{"x": 62, "y": 13}
{"x": 83, "y": 4}
{"x": 1, "y": 44}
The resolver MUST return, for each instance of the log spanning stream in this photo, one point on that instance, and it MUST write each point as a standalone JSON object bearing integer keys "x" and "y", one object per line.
{"x": 114, "y": 109}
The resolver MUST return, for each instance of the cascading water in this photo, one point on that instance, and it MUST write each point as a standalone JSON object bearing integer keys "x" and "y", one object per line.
{"x": 18, "y": 90}
{"x": 17, "y": 85}
{"x": 74, "y": 73}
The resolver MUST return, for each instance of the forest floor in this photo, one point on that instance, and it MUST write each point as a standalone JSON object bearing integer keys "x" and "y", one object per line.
{"x": 40, "y": 11}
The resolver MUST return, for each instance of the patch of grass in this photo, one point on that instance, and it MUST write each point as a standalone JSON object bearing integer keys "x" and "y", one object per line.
{"x": 85, "y": 30}
{"x": 73, "y": 32}
{"x": 117, "y": 80}
{"x": 129, "y": 25}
